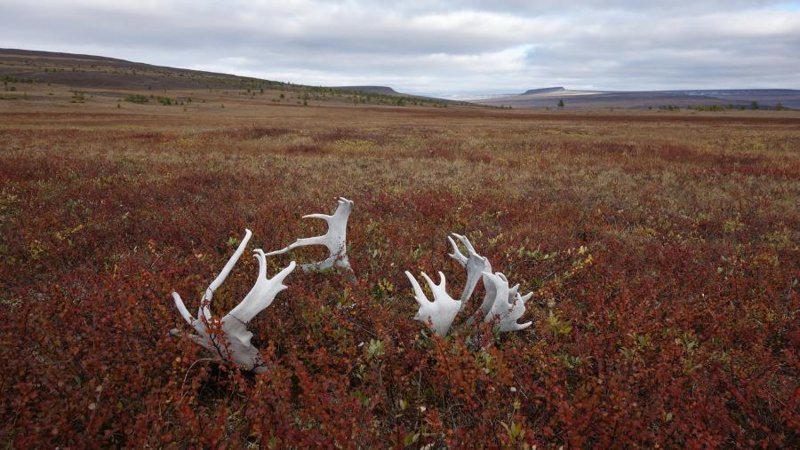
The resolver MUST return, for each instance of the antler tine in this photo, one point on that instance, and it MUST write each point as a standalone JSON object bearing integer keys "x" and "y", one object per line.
{"x": 516, "y": 310}
{"x": 229, "y": 265}
{"x": 302, "y": 242}
{"x": 466, "y": 243}
{"x": 318, "y": 216}
{"x": 205, "y": 305}
{"x": 343, "y": 207}
{"x": 457, "y": 255}
{"x": 513, "y": 293}
{"x": 182, "y": 308}
{"x": 435, "y": 287}
{"x": 419, "y": 295}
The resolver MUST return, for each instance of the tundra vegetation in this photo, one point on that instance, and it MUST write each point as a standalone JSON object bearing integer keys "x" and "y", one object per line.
{"x": 662, "y": 250}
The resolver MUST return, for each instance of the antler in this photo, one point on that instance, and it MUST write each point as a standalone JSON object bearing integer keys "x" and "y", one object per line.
{"x": 474, "y": 263}
{"x": 335, "y": 239}
{"x": 440, "y": 312}
{"x": 500, "y": 302}
{"x": 228, "y": 338}
{"x": 507, "y": 304}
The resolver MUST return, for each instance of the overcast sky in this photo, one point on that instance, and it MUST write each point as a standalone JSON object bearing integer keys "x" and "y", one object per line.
{"x": 438, "y": 47}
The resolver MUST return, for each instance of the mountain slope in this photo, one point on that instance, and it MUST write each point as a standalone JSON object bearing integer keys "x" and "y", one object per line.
{"x": 88, "y": 71}
{"x": 98, "y": 72}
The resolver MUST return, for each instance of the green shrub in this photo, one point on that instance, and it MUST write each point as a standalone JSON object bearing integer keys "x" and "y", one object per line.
{"x": 137, "y": 98}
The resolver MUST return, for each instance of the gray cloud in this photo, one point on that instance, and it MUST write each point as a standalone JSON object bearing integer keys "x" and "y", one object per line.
{"x": 436, "y": 47}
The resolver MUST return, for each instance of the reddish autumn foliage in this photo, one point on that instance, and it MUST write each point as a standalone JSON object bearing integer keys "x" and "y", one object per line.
{"x": 664, "y": 254}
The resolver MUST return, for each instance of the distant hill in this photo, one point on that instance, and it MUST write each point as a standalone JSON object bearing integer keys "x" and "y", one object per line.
{"x": 697, "y": 98}
{"x": 112, "y": 74}
{"x": 88, "y": 71}
{"x": 549, "y": 90}
{"x": 382, "y": 90}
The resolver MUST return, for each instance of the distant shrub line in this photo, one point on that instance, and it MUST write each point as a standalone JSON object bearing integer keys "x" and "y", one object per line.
{"x": 142, "y": 99}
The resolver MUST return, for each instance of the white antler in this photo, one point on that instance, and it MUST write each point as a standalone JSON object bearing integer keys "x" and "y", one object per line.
{"x": 500, "y": 303}
{"x": 440, "y": 312}
{"x": 229, "y": 338}
{"x": 508, "y": 305}
{"x": 335, "y": 239}
{"x": 474, "y": 263}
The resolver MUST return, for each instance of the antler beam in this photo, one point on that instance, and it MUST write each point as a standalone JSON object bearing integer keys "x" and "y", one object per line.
{"x": 475, "y": 265}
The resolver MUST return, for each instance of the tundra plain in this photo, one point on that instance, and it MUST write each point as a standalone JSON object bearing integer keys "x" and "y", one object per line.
{"x": 662, "y": 248}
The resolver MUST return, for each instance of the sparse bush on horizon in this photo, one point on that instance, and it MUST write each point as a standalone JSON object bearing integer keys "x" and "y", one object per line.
{"x": 137, "y": 98}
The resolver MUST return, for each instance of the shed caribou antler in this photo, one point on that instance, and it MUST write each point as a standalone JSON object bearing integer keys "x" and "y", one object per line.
{"x": 501, "y": 303}
{"x": 229, "y": 338}
{"x": 335, "y": 239}
{"x": 508, "y": 305}
{"x": 440, "y": 312}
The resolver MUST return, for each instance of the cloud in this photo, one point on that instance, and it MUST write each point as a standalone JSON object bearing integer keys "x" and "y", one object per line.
{"x": 744, "y": 49}
{"x": 439, "y": 46}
